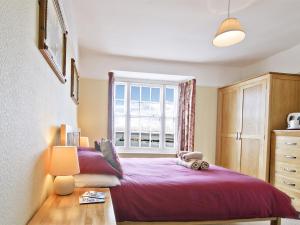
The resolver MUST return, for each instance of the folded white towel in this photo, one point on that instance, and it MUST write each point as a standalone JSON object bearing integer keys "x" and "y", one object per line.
{"x": 192, "y": 155}
{"x": 194, "y": 164}
{"x": 181, "y": 153}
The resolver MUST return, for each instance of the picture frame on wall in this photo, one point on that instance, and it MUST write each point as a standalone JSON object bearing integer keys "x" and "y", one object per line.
{"x": 53, "y": 37}
{"x": 74, "y": 82}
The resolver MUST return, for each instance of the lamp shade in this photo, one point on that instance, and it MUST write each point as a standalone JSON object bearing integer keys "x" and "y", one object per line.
{"x": 229, "y": 33}
{"x": 84, "y": 142}
{"x": 64, "y": 161}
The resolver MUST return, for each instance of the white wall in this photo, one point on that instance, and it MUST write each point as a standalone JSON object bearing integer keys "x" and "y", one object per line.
{"x": 287, "y": 61}
{"x": 33, "y": 104}
{"x": 95, "y": 65}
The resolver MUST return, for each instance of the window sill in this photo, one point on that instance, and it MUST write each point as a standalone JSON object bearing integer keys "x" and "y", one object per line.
{"x": 147, "y": 152}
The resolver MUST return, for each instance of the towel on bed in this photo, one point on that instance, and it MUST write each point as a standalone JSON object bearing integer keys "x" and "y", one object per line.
{"x": 192, "y": 155}
{"x": 195, "y": 164}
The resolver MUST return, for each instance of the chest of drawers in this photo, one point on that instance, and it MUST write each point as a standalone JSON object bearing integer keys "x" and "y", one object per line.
{"x": 285, "y": 163}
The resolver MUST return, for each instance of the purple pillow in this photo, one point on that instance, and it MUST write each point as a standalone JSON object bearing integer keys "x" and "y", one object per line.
{"x": 110, "y": 154}
{"x": 92, "y": 162}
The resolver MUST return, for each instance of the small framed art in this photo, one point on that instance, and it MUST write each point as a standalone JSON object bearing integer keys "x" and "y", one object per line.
{"x": 74, "y": 82}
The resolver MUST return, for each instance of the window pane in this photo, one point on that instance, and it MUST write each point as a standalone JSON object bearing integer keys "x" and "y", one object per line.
{"x": 135, "y": 93}
{"x": 145, "y": 94}
{"x": 134, "y": 139}
{"x": 170, "y": 125}
{"x": 135, "y": 124}
{"x": 145, "y": 123}
{"x": 155, "y": 140}
{"x": 120, "y": 140}
{"x": 155, "y": 109}
{"x": 134, "y": 108}
{"x": 145, "y": 139}
{"x": 119, "y": 107}
{"x": 170, "y": 110}
{"x": 120, "y": 91}
{"x": 155, "y": 125}
{"x": 155, "y": 94}
{"x": 119, "y": 123}
{"x": 145, "y": 109}
{"x": 169, "y": 138}
{"x": 169, "y": 95}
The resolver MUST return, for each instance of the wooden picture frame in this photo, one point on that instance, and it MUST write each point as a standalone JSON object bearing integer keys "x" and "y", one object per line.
{"x": 74, "y": 82}
{"x": 53, "y": 37}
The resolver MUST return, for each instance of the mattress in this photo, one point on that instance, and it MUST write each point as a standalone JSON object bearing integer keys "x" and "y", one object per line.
{"x": 160, "y": 190}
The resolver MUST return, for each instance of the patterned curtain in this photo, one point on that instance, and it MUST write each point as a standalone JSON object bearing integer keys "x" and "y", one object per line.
{"x": 111, "y": 81}
{"x": 186, "y": 116}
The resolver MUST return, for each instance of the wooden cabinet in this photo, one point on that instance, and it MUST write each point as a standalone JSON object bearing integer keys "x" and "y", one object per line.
{"x": 247, "y": 112}
{"x": 285, "y": 163}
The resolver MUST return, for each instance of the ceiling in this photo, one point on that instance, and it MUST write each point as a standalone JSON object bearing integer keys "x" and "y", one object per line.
{"x": 182, "y": 30}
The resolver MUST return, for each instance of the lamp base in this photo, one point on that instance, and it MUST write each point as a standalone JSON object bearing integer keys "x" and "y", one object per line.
{"x": 64, "y": 185}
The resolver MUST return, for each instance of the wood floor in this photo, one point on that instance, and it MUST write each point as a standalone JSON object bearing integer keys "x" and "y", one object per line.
{"x": 283, "y": 222}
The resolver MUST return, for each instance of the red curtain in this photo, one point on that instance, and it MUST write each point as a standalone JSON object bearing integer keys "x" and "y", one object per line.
{"x": 110, "y": 126}
{"x": 186, "y": 116}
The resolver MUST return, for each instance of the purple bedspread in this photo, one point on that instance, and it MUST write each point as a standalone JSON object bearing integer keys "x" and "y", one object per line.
{"x": 160, "y": 190}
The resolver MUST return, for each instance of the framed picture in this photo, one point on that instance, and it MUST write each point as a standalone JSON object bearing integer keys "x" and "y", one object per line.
{"x": 53, "y": 37}
{"x": 74, "y": 82}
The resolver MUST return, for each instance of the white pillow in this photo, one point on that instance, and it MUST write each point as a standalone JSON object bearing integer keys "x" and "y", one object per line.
{"x": 96, "y": 180}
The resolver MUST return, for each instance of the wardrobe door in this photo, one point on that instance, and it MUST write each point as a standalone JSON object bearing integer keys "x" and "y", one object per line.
{"x": 229, "y": 125}
{"x": 252, "y": 136}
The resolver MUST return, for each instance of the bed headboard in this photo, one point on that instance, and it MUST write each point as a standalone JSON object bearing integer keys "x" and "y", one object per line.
{"x": 69, "y": 135}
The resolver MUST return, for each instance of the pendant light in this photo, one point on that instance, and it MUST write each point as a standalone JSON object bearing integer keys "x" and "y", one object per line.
{"x": 230, "y": 32}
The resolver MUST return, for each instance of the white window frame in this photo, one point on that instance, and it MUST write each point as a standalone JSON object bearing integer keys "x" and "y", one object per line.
{"x": 162, "y": 148}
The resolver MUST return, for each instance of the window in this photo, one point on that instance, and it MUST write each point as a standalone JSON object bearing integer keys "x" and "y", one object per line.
{"x": 145, "y": 116}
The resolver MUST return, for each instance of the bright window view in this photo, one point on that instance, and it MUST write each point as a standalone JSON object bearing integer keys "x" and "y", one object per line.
{"x": 145, "y": 116}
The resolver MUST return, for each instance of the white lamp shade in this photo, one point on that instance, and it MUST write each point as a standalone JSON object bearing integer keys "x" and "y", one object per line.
{"x": 64, "y": 161}
{"x": 84, "y": 142}
{"x": 229, "y": 33}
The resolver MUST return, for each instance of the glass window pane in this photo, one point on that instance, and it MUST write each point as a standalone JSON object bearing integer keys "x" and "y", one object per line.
{"x": 170, "y": 110}
{"x": 134, "y": 108}
{"x": 170, "y": 125}
{"x": 120, "y": 139}
{"x": 135, "y": 124}
{"x": 155, "y": 140}
{"x": 135, "y": 93}
{"x": 169, "y": 138}
{"x": 169, "y": 95}
{"x": 155, "y": 109}
{"x": 145, "y": 94}
{"x": 120, "y": 91}
{"x": 155, "y": 125}
{"x": 119, "y": 107}
{"x": 134, "y": 139}
{"x": 145, "y": 123}
{"x": 155, "y": 94}
{"x": 119, "y": 123}
{"x": 145, "y": 139}
{"x": 145, "y": 109}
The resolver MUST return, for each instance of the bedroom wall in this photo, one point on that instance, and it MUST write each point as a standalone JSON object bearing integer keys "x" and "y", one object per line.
{"x": 33, "y": 105}
{"x": 286, "y": 61}
{"x": 92, "y": 115}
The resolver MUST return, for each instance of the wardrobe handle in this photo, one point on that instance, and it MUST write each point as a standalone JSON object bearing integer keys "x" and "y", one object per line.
{"x": 290, "y": 143}
{"x": 290, "y": 157}
{"x": 289, "y": 170}
{"x": 289, "y": 184}
{"x": 237, "y": 136}
{"x": 240, "y": 135}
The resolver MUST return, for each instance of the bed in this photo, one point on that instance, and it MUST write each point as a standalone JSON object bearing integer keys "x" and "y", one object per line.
{"x": 158, "y": 191}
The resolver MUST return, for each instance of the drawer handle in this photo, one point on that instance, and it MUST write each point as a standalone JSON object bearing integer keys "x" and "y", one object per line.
{"x": 289, "y": 170}
{"x": 290, "y": 157}
{"x": 289, "y": 184}
{"x": 290, "y": 143}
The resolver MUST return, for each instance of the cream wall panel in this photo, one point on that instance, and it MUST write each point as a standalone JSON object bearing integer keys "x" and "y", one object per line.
{"x": 33, "y": 104}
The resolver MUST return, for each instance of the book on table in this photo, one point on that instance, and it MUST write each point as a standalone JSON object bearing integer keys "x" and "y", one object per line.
{"x": 89, "y": 197}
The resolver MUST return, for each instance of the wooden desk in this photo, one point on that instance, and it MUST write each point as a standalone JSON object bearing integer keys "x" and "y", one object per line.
{"x": 65, "y": 210}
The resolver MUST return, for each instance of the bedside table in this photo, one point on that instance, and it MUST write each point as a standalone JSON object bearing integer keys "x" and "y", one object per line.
{"x": 60, "y": 210}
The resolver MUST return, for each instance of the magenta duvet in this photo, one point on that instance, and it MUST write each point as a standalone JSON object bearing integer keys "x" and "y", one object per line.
{"x": 160, "y": 190}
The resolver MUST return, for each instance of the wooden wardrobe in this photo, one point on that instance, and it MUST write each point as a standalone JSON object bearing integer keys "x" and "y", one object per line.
{"x": 247, "y": 113}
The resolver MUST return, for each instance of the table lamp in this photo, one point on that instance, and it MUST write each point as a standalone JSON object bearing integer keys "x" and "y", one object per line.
{"x": 64, "y": 164}
{"x": 84, "y": 142}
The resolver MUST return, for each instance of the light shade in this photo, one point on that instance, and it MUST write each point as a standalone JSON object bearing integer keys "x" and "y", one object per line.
{"x": 84, "y": 142}
{"x": 229, "y": 33}
{"x": 64, "y": 161}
